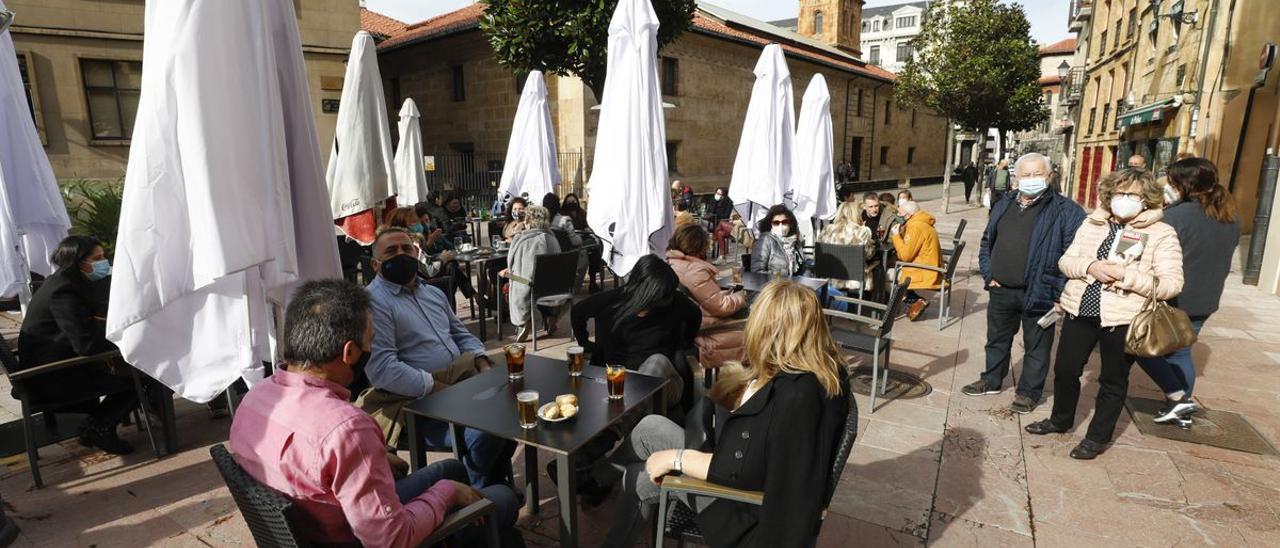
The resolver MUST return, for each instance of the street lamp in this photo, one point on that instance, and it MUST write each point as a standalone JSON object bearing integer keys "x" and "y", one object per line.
{"x": 1064, "y": 69}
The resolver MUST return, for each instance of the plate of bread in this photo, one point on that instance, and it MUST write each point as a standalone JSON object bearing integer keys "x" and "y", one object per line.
{"x": 564, "y": 408}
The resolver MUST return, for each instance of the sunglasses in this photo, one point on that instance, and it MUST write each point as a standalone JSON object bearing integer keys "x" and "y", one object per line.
{"x": 779, "y": 223}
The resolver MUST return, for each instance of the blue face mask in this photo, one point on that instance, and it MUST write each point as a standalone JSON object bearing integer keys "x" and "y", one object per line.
{"x": 1031, "y": 186}
{"x": 416, "y": 228}
{"x": 101, "y": 269}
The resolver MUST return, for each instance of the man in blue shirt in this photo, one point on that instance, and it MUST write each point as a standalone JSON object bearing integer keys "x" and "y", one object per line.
{"x": 421, "y": 347}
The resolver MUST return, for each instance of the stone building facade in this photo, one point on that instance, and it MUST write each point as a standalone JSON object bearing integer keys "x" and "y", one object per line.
{"x": 82, "y": 63}
{"x": 1051, "y": 136}
{"x": 468, "y": 100}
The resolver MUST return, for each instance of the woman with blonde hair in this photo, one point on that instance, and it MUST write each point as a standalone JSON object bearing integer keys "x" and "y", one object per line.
{"x": 780, "y": 420}
{"x": 1122, "y": 255}
{"x": 847, "y": 229}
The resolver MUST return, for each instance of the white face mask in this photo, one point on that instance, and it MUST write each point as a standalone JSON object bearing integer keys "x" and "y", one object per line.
{"x": 1171, "y": 195}
{"x": 718, "y": 197}
{"x": 781, "y": 231}
{"x": 1126, "y": 207}
{"x": 901, "y": 202}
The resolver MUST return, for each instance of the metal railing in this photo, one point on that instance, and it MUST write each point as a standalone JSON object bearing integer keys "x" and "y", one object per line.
{"x": 476, "y": 175}
{"x": 1079, "y": 12}
{"x": 1073, "y": 86}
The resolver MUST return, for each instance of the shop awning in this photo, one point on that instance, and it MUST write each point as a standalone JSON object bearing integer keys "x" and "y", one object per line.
{"x": 1144, "y": 114}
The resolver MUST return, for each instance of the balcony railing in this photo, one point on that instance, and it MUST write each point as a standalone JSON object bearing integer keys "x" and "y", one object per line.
{"x": 1080, "y": 12}
{"x": 1073, "y": 86}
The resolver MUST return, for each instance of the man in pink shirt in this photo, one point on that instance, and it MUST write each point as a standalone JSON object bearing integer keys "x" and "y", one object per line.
{"x": 297, "y": 433}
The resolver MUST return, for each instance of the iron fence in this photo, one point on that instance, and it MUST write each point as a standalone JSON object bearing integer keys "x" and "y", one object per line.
{"x": 476, "y": 175}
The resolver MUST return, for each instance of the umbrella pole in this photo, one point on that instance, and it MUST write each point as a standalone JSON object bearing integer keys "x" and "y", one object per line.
{"x": 24, "y": 292}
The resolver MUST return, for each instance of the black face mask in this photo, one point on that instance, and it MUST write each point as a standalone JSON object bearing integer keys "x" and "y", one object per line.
{"x": 570, "y": 206}
{"x": 400, "y": 269}
{"x": 358, "y": 368}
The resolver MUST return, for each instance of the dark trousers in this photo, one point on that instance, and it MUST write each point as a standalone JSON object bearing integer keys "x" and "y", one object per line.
{"x": 506, "y": 506}
{"x": 1079, "y": 337}
{"x": 968, "y": 189}
{"x": 1005, "y": 314}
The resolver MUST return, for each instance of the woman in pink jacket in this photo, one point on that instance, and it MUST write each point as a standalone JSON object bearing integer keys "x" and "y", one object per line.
{"x": 720, "y": 339}
{"x": 1121, "y": 255}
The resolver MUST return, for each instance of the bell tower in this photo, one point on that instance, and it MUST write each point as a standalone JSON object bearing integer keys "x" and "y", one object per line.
{"x": 834, "y": 22}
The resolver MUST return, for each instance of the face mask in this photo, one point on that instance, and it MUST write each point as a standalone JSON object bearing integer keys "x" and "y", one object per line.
{"x": 416, "y": 227}
{"x": 1126, "y": 207}
{"x": 571, "y": 206}
{"x": 1032, "y": 186}
{"x": 519, "y": 215}
{"x": 901, "y": 202}
{"x": 781, "y": 231}
{"x": 358, "y": 367}
{"x": 399, "y": 270}
{"x": 1171, "y": 195}
{"x": 717, "y": 197}
{"x": 101, "y": 269}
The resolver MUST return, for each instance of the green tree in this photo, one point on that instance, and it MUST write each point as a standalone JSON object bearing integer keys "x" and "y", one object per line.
{"x": 978, "y": 66}
{"x": 568, "y": 37}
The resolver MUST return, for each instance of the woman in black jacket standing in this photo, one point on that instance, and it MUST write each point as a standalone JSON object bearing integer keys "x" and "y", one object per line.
{"x": 1203, "y": 214}
{"x": 61, "y": 323}
{"x": 778, "y": 426}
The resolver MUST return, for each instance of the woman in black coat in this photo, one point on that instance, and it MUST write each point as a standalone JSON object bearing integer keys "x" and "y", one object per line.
{"x": 779, "y": 422}
{"x": 62, "y": 323}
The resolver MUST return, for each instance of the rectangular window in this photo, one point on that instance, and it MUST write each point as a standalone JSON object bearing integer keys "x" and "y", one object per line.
{"x": 904, "y": 51}
{"x": 911, "y": 155}
{"x": 673, "y": 150}
{"x": 1119, "y": 109}
{"x": 459, "y": 84}
{"x": 884, "y": 155}
{"x": 1182, "y": 75}
{"x": 1102, "y": 45}
{"x": 875, "y": 26}
{"x": 1106, "y": 111}
{"x": 865, "y": 26}
{"x": 26, "y": 70}
{"x": 860, "y": 114}
{"x": 909, "y": 21}
{"x": 1093, "y": 114}
{"x": 875, "y": 55}
{"x": 888, "y": 108}
{"x": 1116, "y": 36}
{"x": 111, "y": 89}
{"x": 670, "y": 76}
{"x": 1133, "y": 24}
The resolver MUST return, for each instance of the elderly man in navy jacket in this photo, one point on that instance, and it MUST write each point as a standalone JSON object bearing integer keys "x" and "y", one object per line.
{"x": 1028, "y": 232}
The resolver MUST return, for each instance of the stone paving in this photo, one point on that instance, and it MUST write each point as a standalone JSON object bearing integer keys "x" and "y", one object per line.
{"x": 940, "y": 470}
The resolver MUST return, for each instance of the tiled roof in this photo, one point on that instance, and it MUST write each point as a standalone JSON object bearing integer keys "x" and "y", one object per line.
{"x": 468, "y": 18}
{"x": 1051, "y": 80}
{"x": 1061, "y": 46}
{"x": 463, "y": 19}
{"x": 379, "y": 25}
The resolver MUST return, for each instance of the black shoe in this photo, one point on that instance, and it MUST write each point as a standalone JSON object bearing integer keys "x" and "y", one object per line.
{"x": 104, "y": 438}
{"x": 1043, "y": 427}
{"x": 590, "y": 492}
{"x": 1176, "y": 410}
{"x": 979, "y": 388}
{"x": 1023, "y": 404}
{"x": 1087, "y": 450}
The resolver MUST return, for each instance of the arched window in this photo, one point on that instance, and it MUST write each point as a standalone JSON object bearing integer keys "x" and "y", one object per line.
{"x": 817, "y": 22}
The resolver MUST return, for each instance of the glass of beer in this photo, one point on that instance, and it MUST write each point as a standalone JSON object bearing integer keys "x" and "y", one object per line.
{"x": 616, "y": 375}
{"x": 576, "y": 360}
{"x": 527, "y": 406}
{"x": 515, "y": 361}
{"x": 737, "y": 274}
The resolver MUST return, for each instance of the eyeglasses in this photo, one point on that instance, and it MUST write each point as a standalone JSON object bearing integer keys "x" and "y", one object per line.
{"x": 779, "y": 223}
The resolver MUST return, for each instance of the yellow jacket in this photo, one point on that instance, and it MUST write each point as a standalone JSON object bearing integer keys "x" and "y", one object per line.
{"x": 917, "y": 242}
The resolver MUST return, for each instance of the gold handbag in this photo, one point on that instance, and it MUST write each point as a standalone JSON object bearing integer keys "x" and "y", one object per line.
{"x": 1158, "y": 329}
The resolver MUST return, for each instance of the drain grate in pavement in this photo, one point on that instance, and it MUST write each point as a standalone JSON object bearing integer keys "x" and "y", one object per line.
{"x": 1209, "y": 427}
{"x": 901, "y": 385}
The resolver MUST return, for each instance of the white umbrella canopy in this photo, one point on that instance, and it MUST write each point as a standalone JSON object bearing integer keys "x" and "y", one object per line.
{"x": 531, "y": 166}
{"x": 630, "y": 202}
{"x": 813, "y": 193}
{"x": 33, "y": 218}
{"x": 762, "y": 170}
{"x": 360, "y": 172}
{"x": 225, "y": 207}
{"x": 410, "y": 174}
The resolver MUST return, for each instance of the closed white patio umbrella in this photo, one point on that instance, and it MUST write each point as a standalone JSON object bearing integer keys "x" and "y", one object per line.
{"x": 225, "y": 207}
{"x": 813, "y": 193}
{"x": 630, "y": 204}
{"x": 33, "y": 218}
{"x": 360, "y": 172}
{"x": 762, "y": 170}
{"x": 531, "y": 166}
{"x": 410, "y": 174}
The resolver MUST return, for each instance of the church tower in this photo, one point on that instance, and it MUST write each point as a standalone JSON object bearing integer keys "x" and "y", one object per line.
{"x": 834, "y": 22}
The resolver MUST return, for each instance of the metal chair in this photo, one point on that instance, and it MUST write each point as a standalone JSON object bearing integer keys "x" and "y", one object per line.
{"x": 679, "y": 522}
{"x": 270, "y": 514}
{"x": 878, "y": 339}
{"x": 552, "y": 283}
{"x": 955, "y": 241}
{"x": 945, "y": 289}
{"x": 841, "y": 262}
{"x": 19, "y": 378}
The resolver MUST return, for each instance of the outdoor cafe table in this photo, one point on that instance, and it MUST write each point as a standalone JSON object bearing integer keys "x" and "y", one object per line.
{"x": 754, "y": 282}
{"x": 480, "y": 258}
{"x": 487, "y": 402}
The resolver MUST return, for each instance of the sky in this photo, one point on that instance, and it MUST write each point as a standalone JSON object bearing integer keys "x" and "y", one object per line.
{"x": 1048, "y": 17}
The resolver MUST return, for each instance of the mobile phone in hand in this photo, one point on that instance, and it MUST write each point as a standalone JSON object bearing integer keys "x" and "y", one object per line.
{"x": 1049, "y": 319}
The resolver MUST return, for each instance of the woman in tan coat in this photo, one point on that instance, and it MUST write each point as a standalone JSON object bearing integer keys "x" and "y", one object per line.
{"x": 1121, "y": 255}
{"x": 720, "y": 338}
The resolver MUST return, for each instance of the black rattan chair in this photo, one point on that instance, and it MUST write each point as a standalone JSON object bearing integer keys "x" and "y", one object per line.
{"x": 871, "y": 334}
{"x": 552, "y": 284}
{"x": 841, "y": 262}
{"x": 270, "y": 514}
{"x": 677, "y": 520}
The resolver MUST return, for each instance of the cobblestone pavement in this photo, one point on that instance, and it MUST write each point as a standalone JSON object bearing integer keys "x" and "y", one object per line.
{"x": 936, "y": 470}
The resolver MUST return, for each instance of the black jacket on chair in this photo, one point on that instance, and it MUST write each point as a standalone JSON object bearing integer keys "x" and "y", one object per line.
{"x": 59, "y": 325}
{"x": 782, "y": 442}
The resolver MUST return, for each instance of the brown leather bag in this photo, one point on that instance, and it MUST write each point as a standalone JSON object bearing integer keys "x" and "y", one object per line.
{"x": 1158, "y": 330}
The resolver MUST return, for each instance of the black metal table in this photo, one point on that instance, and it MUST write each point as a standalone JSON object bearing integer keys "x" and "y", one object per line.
{"x": 481, "y": 257}
{"x": 754, "y": 282}
{"x": 487, "y": 402}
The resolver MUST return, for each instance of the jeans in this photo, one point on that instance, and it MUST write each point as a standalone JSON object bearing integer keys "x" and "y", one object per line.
{"x": 1175, "y": 372}
{"x": 724, "y": 229}
{"x": 636, "y": 506}
{"x": 1079, "y": 337}
{"x": 1005, "y": 312}
{"x": 506, "y": 506}
{"x": 487, "y": 458}
{"x": 659, "y": 365}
